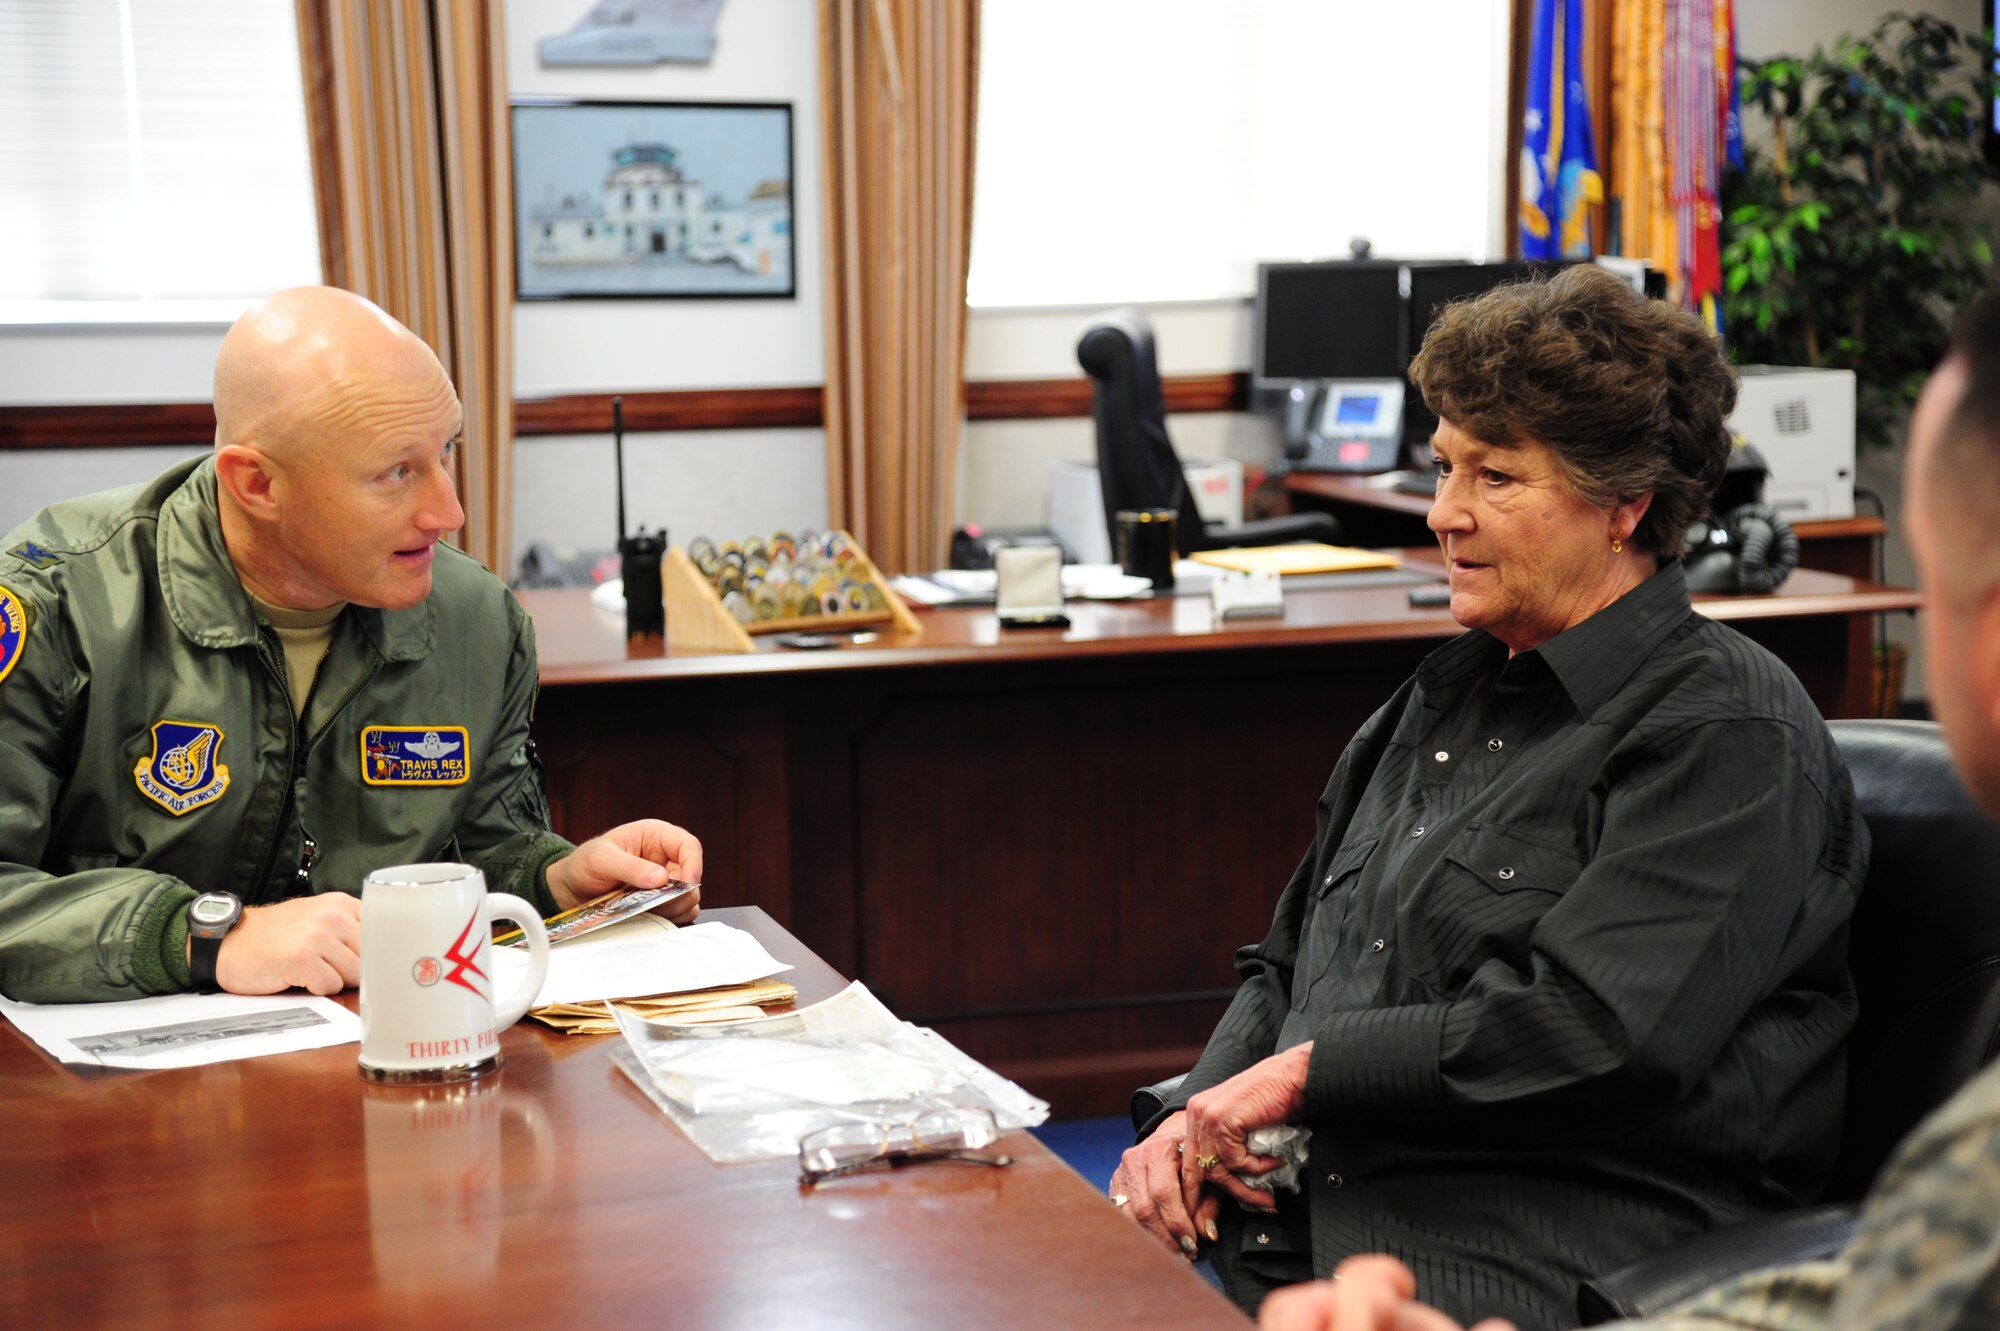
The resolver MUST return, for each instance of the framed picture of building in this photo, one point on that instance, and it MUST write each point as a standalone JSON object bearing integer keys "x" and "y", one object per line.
{"x": 652, "y": 199}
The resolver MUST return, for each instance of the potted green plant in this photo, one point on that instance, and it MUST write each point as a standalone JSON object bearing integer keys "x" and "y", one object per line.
{"x": 1850, "y": 239}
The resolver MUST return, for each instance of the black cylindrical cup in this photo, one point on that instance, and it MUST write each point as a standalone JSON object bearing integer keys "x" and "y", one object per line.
{"x": 1146, "y": 544}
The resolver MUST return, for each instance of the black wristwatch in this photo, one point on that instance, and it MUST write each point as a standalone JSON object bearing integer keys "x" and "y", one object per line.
{"x": 210, "y": 917}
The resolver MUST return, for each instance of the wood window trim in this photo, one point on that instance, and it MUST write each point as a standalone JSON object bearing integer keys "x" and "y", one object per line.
{"x": 192, "y": 424}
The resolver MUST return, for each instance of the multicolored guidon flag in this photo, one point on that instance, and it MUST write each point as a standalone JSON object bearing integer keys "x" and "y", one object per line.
{"x": 183, "y": 773}
{"x": 1559, "y": 179}
{"x": 13, "y": 630}
{"x": 414, "y": 755}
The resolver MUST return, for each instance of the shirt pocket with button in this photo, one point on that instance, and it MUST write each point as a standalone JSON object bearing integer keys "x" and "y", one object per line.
{"x": 1319, "y": 937}
{"x": 1480, "y": 904}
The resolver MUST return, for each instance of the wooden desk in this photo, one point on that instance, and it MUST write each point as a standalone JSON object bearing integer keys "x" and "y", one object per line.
{"x": 1046, "y": 845}
{"x": 283, "y": 1191}
{"x": 1372, "y": 515}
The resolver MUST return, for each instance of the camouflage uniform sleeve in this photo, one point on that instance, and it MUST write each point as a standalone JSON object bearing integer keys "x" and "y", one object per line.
{"x": 1788, "y": 1298}
{"x": 1927, "y": 1257}
{"x": 1928, "y": 1254}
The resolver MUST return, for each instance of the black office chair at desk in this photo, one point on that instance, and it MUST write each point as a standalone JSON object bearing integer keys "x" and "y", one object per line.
{"x": 1926, "y": 961}
{"x": 1925, "y": 954}
{"x": 1136, "y": 462}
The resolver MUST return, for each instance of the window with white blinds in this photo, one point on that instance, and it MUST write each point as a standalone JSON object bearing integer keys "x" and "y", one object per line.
{"x": 1157, "y": 149}
{"x": 152, "y": 153}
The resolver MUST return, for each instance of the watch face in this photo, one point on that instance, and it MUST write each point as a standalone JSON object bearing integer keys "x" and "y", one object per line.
{"x": 212, "y": 909}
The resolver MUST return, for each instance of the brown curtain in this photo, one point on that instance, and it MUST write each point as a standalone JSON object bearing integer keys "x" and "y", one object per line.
{"x": 406, "y": 107}
{"x": 899, "y": 79}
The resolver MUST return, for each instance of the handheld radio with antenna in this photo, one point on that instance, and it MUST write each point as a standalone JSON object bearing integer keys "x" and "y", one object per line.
{"x": 638, "y": 554}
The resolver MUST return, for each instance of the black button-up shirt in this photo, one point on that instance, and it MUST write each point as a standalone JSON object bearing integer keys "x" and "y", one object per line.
{"x": 1571, "y": 944}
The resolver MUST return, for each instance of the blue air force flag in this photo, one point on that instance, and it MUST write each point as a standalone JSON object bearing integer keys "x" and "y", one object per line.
{"x": 1558, "y": 161}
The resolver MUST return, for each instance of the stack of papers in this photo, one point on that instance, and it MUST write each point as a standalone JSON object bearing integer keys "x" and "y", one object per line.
{"x": 733, "y": 1002}
{"x": 680, "y": 971}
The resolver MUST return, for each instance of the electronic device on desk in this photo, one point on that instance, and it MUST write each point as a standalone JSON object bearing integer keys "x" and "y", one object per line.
{"x": 639, "y": 554}
{"x": 1353, "y": 425}
{"x": 1802, "y": 421}
{"x": 1745, "y": 545}
{"x": 1321, "y": 321}
{"x": 1431, "y": 287}
{"x": 973, "y": 546}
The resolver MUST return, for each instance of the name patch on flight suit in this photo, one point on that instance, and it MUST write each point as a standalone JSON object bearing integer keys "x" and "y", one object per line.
{"x": 183, "y": 772}
{"x": 414, "y": 755}
{"x": 13, "y": 630}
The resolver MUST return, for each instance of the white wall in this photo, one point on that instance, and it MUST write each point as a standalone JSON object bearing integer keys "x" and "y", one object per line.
{"x": 40, "y": 366}
{"x": 1766, "y": 28}
{"x": 722, "y": 483}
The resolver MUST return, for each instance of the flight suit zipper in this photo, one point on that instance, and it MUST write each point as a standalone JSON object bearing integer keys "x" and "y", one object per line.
{"x": 299, "y": 752}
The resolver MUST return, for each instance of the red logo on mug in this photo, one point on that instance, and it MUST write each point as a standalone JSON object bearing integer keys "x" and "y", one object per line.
{"x": 463, "y": 961}
{"x": 426, "y": 971}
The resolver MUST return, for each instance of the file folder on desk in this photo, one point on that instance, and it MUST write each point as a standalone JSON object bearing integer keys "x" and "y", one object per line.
{"x": 1307, "y": 557}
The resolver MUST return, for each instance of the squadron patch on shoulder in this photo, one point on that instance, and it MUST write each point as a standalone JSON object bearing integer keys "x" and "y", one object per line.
{"x": 415, "y": 755}
{"x": 184, "y": 772}
{"x": 30, "y": 553}
{"x": 13, "y": 630}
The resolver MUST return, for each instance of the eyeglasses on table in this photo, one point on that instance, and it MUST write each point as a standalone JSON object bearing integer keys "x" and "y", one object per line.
{"x": 942, "y": 1136}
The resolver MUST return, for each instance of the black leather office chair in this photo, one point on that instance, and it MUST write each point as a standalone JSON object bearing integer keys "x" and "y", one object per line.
{"x": 1136, "y": 462}
{"x": 1926, "y": 961}
{"x": 1925, "y": 953}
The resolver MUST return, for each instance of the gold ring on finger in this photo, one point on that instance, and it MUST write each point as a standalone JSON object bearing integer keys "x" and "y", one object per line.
{"x": 1119, "y": 1199}
{"x": 1208, "y": 1161}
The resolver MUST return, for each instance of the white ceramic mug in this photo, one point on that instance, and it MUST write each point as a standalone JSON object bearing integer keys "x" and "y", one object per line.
{"x": 428, "y": 1013}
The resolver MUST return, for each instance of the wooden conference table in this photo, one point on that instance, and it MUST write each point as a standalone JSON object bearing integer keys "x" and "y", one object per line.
{"x": 283, "y": 1191}
{"x": 1045, "y": 844}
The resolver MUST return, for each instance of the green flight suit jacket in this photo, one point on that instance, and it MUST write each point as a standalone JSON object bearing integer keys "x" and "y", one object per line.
{"x": 148, "y": 748}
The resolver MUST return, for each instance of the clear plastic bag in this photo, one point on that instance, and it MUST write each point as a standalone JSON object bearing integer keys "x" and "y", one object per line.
{"x": 751, "y": 1090}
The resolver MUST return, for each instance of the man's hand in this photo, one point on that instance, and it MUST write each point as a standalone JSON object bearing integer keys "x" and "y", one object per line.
{"x": 311, "y": 942}
{"x": 1368, "y": 1293}
{"x": 1221, "y": 1119}
{"x": 1149, "y": 1178}
{"x": 642, "y": 854}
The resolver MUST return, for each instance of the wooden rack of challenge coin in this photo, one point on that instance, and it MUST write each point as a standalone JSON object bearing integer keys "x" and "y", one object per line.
{"x": 718, "y": 597}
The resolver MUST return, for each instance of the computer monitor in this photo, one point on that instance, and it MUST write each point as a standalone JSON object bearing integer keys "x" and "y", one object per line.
{"x": 1341, "y": 319}
{"x": 1432, "y": 287}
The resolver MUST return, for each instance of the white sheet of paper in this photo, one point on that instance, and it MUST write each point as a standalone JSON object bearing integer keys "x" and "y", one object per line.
{"x": 643, "y": 955}
{"x": 183, "y": 1030}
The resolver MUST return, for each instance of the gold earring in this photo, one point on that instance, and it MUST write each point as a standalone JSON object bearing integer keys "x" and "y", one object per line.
{"x": 1617, "y": 546}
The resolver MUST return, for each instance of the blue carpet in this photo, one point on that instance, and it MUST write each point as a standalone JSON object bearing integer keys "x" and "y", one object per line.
{"x": 1090, "y": 1146}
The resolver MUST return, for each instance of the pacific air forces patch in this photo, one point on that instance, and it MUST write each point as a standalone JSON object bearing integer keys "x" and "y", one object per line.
{"x": 184, "y": 771}
{"x": 13, "y": 630}
{"x": 414, "y": 755}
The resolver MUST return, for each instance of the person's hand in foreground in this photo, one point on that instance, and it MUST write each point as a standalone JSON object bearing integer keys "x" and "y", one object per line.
{"x": 1367, "y": 1293}
{"x": 641, "y": 854}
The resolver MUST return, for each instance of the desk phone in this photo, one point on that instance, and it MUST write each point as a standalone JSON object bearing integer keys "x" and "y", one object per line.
{"x": 1355, "y": 425}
